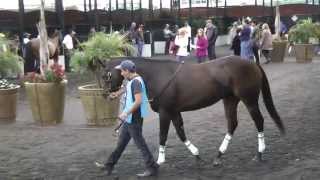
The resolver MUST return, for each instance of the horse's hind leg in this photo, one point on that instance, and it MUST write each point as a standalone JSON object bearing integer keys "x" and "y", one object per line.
{"x": 165, "y": 119}
{"x": 253, "y": 108}
{"x": 178, "y": 124}
{"x": 230, "y": 107}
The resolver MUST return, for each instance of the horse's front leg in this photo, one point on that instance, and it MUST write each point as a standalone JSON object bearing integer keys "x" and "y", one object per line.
{"x": 165, "y": 119}
{"x": 178, "y": 124}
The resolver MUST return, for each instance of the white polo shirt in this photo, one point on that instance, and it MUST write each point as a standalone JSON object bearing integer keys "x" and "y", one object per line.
{"x": 67, "y": 41}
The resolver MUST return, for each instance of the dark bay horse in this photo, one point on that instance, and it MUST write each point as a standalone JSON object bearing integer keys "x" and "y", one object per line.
{"x": 32, "y": 57}
{"x": 173, "y": 88}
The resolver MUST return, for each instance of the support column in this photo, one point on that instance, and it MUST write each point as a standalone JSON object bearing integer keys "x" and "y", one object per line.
{"x": 132, "y": 11}
{"x": 190, "y": 11}
{"x": 96, "y": 15}
{"x": 151, "y": 9}
{"x": 21, "y": 20}
{"x": 60, "y": 13}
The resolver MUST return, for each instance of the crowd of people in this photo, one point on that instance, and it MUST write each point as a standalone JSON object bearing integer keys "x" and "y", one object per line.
{"x": 249, "y": 38}
{"x": 179, "y": 41}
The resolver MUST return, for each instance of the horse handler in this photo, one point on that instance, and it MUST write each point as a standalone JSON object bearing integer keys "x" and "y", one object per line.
{"x": 135, "y": 109}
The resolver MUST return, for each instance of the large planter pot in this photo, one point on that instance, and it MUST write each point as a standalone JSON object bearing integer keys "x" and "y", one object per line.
{"x": 304, "y": 52}
{"x": 99, "y": 110}
{"x": 8, "y": 104}
{"x": 279, "y": 51}
{"x": 46, "y": 101}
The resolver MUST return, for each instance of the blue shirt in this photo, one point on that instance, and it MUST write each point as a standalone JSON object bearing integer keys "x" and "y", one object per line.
{"x": 129, "y": 99}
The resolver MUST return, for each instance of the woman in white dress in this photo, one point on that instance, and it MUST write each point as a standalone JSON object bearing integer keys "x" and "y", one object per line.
{"x": 181, "y": 41}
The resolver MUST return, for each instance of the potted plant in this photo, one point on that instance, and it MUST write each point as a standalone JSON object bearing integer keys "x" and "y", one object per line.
{"x": 46, "y": 95}
{"x": 9, "y": 65}
{"x": 301, "y": 35}
{"x": 46, "y": 91}
{"x": 100, "y": 47}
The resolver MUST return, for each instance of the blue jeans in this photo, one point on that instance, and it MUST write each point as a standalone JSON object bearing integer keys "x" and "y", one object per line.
{"x": 127, "y": 132}
{"x": 140, "y": 48}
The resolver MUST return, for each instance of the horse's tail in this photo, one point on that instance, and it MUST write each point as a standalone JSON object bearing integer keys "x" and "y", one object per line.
{"x": 267, "y": 98}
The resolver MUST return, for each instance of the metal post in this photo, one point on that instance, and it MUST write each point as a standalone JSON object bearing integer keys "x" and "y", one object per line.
{"x": 90, "y": 7}
{"x": 207, "y": 8}
{"x": 110, "y": 14}
{"x": 96, "y": 16}
{"x": 179, "y": 8}
{"x": 117, "y": 5}
{"x": 140, "y": 9}
{"x": 190, "y": 10}
{"x": 132, "y": 11}
{"x": 21, "y": 20}
{"x": 151, "y": 9}
{"x": 85, "y": 5}
{"x": 60, "y": 13}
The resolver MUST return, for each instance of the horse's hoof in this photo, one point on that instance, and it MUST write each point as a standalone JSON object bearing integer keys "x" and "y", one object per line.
{"x": 198, "y": 158}
{"x": 258, "y": 157}
{"x": 217, "y": 162}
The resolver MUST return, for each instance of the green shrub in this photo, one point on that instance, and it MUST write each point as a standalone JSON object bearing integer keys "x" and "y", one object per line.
{"x": 303, "y": 31}
{"x": 9, "y": 60}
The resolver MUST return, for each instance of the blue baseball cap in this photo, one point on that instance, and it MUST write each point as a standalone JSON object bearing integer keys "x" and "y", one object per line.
{"x": 126, "y": 64}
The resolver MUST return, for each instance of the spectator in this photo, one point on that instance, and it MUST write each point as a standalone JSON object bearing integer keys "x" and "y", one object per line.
{"x": 266, "y": 42}
{"x": 132, "y": 33}
{"x": 140, "y": 39}
{"x": 232, "y": 32}
{"x": 68, "y": 48}
{"x": 255, "y": 36}
{"x": 181, "y": 41}
{"x": 188, "y": 34}
{"x": 26, "y": 39}
{"x": 212, "y": 34}
{"x": 236, "y": 43}
{"x": 201, "y": 46}
{"x": 246, "y": 49}
{"x": 167, "y": 34}
{"x": 92, "y": 31}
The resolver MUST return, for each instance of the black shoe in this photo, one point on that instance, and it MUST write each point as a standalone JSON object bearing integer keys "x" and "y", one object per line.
{"x": 147, "y": 173}
{"x": 153, "y": 171}
{"x": 104, "y": 167}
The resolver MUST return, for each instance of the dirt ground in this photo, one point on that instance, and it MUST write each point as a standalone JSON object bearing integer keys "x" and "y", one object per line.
{"x": 68, "y": 150}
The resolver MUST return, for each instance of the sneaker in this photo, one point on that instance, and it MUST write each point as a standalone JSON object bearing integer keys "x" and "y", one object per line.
{"x": 153, "y": 171}
{"x": 267, "y": 62}
{"x": 104, "y": 167}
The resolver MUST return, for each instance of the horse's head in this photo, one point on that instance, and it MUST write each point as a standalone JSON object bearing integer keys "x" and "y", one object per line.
{"x": 112, "y": 77}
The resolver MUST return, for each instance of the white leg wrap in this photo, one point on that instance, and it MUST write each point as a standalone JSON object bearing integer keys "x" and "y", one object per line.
{"x": 192, "y": 148}
{"x": 225, "y": 143}
{"x": 261, "y": 143}
{"x": 162, "y": 155}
